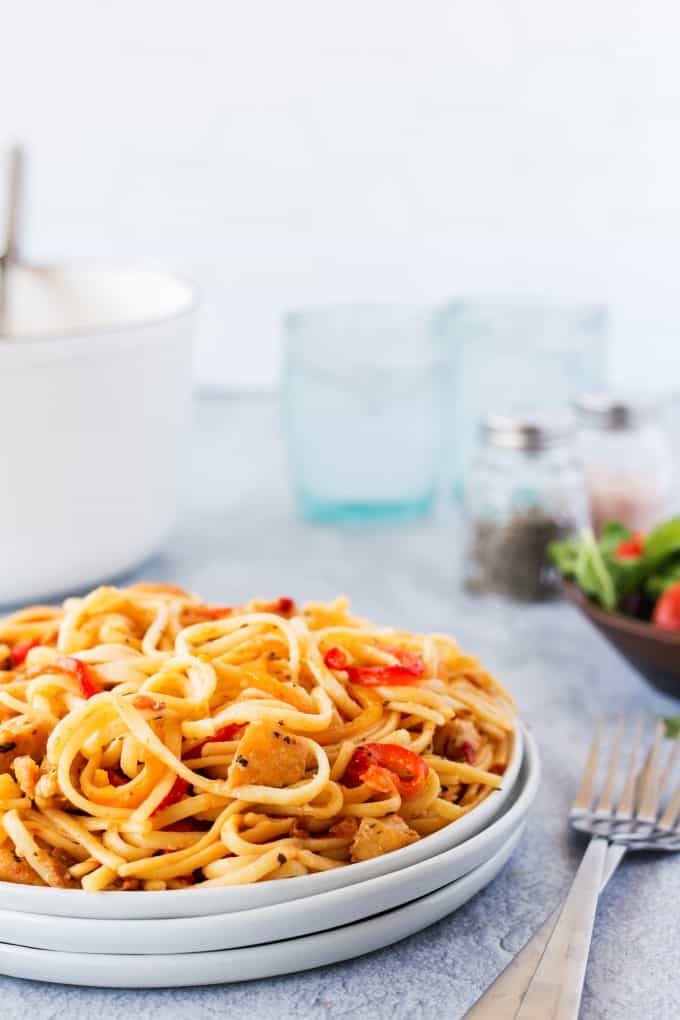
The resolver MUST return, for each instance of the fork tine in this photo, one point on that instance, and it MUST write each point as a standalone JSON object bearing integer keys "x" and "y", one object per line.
{"x": 604, "y": 805}
{"x": 584, "y": 797}
{"x": 625, "y": 806}
{"x": 650, "y": 793}
{"x": 670, "y": 765}
{"x": 667, "y": 820}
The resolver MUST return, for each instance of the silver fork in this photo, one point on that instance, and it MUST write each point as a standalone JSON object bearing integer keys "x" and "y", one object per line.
{"x": 545, "y": 980}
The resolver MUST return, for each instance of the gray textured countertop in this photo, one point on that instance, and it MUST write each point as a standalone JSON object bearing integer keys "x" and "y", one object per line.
{"x": 239, "y": 537}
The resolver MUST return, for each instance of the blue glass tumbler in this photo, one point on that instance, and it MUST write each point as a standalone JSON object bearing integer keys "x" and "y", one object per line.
{"x": 362, "y": 411}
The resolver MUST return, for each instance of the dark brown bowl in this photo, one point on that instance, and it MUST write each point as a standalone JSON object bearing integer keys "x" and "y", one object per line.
{"x": 654, "y": 652}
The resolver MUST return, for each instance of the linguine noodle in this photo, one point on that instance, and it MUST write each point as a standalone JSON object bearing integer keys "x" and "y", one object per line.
{"x": 151, "y": 741}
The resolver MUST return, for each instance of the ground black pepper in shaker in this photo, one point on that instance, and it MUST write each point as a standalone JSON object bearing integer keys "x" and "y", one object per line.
{"x": 524, "y": 492}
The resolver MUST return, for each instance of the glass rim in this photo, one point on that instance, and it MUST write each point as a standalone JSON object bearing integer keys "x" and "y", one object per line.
{"x": 527, "y": 305}
{"x": 368, "y": 309}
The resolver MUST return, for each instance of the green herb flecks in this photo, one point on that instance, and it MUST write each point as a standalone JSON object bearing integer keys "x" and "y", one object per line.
{"x": 672, "y": 724}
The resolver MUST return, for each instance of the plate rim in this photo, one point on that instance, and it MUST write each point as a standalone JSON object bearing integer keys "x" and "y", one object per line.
{"x": 77, "y": 903}
{"x": 338, "y": 907}
{"x": 284, "y": 957}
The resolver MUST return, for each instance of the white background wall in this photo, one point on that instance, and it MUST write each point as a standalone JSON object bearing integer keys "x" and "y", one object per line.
{"x": 300, "y": 151}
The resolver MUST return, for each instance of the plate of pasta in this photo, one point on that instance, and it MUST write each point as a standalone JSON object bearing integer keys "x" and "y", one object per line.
{"x": 153, "y": 743}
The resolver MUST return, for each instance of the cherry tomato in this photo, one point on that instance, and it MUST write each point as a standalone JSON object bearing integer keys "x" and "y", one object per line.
{"x": 667, "y": 610}
{"x": 631, "y": 548}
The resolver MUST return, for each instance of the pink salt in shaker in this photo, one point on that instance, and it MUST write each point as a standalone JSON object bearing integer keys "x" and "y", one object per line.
{"x": 627, "y": 459}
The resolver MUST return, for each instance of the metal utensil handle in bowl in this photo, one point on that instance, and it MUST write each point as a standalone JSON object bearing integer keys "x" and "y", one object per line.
{"x": 10, "y": 255}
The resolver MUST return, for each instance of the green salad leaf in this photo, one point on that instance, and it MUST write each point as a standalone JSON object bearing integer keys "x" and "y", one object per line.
{"x": 595, "y": 576}
{"x": 583, "y": 560}
{"x": 672, "y": 724}
{"x": 608, "y": 578}
{"x": 661, "y": 544}
{"x": 664, "y": 577}
{"x": 564, "y": 555}
{"x": 611, "y": 537}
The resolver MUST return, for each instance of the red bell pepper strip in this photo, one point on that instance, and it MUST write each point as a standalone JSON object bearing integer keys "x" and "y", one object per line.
{"x": 335, "y": 658}
{"x": 186, "y": 825}
{"x": 387, "y": 768}
{"x": 285, "y": 606}
{"x": 215, "y": 612}
{"x": 202, "y": 614}
{"x": 228, "y": 732}
{"x": 631, "y": 548}
{"x": 469, "y": 752}
{"x": 409, "y": 669}
{"x": 175, "y": 794}
{"x": 21, "y": 650}
{"x": 77, "y": 668}
{"x": 116, "y": 779}
{"x": 667, "y": 610}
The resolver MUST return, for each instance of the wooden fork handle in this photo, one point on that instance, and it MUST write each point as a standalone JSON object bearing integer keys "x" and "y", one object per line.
{"x": 556, "y": 988}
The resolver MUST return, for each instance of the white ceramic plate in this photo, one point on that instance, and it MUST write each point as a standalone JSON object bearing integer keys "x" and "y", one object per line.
{"x": 287, "y": 957}
{"x": 284, "y": 920}
{"x": 203, "y": 902}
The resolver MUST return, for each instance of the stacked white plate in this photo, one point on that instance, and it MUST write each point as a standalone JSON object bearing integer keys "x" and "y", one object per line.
{"x": 195, "y": 937}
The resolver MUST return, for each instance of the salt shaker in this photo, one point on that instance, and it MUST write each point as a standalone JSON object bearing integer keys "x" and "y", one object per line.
{"x": 524, "y": 492}
{"x": 627, "y": 459}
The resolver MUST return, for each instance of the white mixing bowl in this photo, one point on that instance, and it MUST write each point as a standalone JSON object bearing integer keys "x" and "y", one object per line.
{"x": 95, "y": 398}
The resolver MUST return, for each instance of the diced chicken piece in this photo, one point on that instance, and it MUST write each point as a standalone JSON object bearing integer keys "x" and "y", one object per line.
{"x": 299, "y": 830}
{"x": 20, "y": 736}
{"x": 27, "y": 773}
{"x": 346, "y": 828}
{"x": 47, "y": 864}
{"x": 47, "y": 792}
{"x": 12, "y": 869}
{"x": 378, "y": 836}
{"x": 9, "y": 788}
{"x": 266, "y": 756}
{"x": 458, "y": 740}
{"x": 129, "y": 884}
{"x": 53, "y": 870}
{"x": 451, "y": 790}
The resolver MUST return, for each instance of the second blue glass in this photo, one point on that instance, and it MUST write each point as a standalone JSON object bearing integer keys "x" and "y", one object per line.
{"x": 509, "y": 352}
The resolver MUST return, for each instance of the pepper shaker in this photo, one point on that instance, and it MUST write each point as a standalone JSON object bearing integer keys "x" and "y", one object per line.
{"x": 525, "y": 491}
